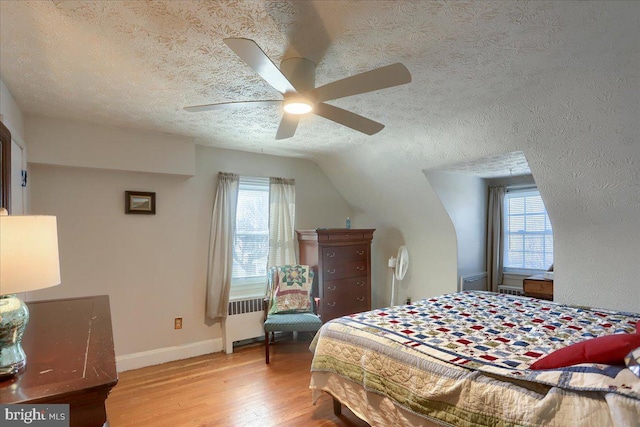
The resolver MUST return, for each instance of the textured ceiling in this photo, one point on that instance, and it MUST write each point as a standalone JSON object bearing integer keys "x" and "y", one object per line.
{"x": 501, "y": 165}
{"x": 138, "y": 63}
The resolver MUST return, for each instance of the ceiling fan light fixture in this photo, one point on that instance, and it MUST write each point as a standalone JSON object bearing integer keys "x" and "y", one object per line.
{"x": 295, "y": 80}
{"x": 297, "y": 106}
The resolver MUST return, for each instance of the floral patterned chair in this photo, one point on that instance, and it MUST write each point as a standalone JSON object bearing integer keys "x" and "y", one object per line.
{"x": 288, "y": 303}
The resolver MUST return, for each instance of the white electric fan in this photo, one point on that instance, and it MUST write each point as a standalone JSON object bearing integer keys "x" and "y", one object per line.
{"x": 400, "y": 264}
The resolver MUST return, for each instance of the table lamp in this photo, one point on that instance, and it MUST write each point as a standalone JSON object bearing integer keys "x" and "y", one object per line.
{"x": 28, "y": 261}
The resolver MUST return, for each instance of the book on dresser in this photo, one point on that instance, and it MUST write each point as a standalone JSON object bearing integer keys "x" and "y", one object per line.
{"x": 342, "y": 258}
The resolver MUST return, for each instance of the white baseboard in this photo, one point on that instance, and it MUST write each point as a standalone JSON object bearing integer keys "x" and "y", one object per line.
{"x": 127, "y": 362}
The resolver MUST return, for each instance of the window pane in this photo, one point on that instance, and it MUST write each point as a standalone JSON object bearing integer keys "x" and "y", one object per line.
{"x": 534, "y": 244}
{"x": 515, "y": 242}
{"x": 535, "y": 223}
{"x": 548, "y": 243}
{"x": 251, "y": 207}
{"x": 534, "y": 204}
{"x": 514, "y": 259}
{"x": 548, "y": 260}
{"x": 534, "y": 260}
{"x": 251, "y": 242}
{"x": 515, "y": 223}
{"x": 547, "y": 223}
{"x": 528, "y": 233}
{"x": 516, "y": 206}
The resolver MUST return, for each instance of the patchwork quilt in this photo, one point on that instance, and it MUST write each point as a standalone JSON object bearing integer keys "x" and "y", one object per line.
{"x": 504, "y": 335}
{"x": 405, "y": 351}
{"x": 292, "y": 289}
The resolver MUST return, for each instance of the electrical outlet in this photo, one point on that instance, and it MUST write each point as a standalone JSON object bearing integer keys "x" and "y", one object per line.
{"x": 177, "y": 323}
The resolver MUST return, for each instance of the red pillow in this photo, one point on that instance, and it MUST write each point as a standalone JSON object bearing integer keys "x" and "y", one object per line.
{"x": 609, "y": 349}
{"x": 638, "y": 327}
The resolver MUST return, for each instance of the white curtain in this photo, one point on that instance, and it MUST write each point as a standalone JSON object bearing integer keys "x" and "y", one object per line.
{"x": 223, "y": 224}
{"x": 282, "y": 215}
{"x": 495, "y": 237}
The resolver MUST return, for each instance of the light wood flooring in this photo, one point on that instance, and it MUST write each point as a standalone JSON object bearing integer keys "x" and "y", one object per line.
{"x": 225, "y": 390}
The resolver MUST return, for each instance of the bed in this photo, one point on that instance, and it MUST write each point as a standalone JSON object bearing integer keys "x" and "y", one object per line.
{"x": 465, "y": 358}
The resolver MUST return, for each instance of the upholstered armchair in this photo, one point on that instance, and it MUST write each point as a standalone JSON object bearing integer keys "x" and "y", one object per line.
{"x": 289, "y": 304}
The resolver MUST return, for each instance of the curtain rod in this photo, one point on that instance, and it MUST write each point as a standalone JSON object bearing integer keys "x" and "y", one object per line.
{"x": 521, "y": 187}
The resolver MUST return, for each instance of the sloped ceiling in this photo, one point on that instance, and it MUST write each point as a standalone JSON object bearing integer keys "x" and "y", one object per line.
{"x": 558, "y": 81}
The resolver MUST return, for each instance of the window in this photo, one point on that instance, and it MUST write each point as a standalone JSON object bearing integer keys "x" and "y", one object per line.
{"x": 528, "y": 237}
{"x": 251, "y": 241}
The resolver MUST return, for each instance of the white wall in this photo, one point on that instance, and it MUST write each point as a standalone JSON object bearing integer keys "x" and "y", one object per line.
{"x": 18, "y": 164}
{"x": 404, "y": 209}
{"x": 11, "y": 113}
{"x": 13, "y": 119}
{"x": 154, "y": 267}
{"x": 465, "y": 199}
{"x": 65, "y": 143}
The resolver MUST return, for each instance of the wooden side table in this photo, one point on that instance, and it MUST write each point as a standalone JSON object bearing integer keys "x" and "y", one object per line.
{"x": 70, "y": 359}
{"x": 538, "y": 287}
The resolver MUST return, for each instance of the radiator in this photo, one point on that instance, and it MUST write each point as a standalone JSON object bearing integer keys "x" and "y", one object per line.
{"x": 474, "y": 282}
{"x": 510, "y": 290}
{"x": 244, "y": 321}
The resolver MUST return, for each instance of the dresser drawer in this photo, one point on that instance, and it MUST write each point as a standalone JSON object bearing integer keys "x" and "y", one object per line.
{"x": 353, "y": 285}
{"x": 350, "y": 299}
{"x": 338, "y": 310}
{"x": 344, "y": 306}
{"x": 343, "y": 297}
{"x": 341, "y": 236}
{"x": 337, "y": 271}
{"x": 339, "y": 254}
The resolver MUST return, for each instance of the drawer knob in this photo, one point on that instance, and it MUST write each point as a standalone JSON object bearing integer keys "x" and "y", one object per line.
{"x": 331, "y": 288}
{"x": 331, "y": 254}
{"x": 360, "y": 299}
{"x": 360, "y": 252}
{"x": 331, "y": 271}
{"x": 360, "y": 267}
{"x": 360, "y": 283}
{"x": 331, "y": 304}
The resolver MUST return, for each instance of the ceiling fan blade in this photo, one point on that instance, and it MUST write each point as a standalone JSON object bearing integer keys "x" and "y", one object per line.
{"x": 235, "y": 104}
{"x": 347, "y": 118}
{"x": 380, "y": 78}
{"x": 255, "y": 57}
{"x": 288, "y": 126}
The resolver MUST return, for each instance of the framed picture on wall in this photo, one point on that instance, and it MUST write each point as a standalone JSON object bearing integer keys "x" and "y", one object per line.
{"x": 139, "y": 202}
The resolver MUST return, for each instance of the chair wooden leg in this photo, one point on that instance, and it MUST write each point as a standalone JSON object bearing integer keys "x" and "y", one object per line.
{"x": 266, "y": 345}
{"x": 337, "y": 407}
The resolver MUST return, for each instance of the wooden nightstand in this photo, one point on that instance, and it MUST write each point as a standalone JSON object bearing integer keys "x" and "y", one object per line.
{"x": 538, "y": 287}
{"x": 70, "y": 359}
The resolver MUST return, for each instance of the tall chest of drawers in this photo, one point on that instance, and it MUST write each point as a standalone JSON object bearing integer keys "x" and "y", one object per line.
{"x": 343, "y": 260}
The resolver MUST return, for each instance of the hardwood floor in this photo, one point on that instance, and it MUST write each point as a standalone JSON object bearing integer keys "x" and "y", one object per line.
{"x": 225, "y": 390}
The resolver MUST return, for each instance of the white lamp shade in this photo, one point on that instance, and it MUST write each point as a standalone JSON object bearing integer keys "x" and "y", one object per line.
{"x": 28, "y": 253}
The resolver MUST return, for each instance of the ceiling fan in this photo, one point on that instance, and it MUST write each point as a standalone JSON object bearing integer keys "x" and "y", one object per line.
{"x": 295, "y": 80}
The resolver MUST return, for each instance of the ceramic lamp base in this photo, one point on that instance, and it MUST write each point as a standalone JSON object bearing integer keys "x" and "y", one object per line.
{"x": 14, "y": 316}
